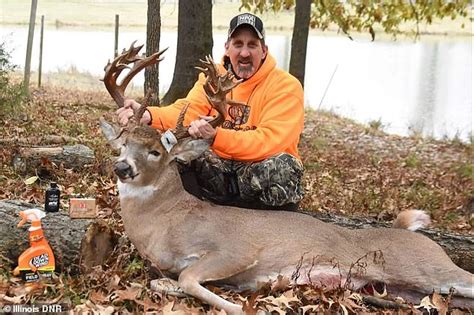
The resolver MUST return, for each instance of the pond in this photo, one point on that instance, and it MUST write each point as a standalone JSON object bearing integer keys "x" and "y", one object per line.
{"x": 409, "y": 87}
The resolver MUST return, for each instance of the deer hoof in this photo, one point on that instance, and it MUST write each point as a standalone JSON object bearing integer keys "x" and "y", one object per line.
{"x": 167, "y": 286}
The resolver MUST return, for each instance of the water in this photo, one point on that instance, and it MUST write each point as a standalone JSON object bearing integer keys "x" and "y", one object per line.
{"x": 423, "y": 86}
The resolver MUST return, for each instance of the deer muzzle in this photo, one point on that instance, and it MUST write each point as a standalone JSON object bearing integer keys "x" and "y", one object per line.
{"x": 124, "y": 170}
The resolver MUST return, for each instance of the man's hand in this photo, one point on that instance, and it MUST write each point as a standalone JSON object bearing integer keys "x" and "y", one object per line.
{"x": 126, "y": 112}
{"x": 200, "y": 128}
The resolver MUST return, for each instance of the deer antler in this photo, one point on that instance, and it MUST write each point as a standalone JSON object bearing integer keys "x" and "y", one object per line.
{"x": 216, "y": 88}
{"x": 210, "y": 71}
{"x": 114, "y": 69}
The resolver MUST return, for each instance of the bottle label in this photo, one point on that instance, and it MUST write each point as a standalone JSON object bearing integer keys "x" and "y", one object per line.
{"x": 40, "y": 260}
{"x": 52, "y": 201}
{"x": 30, "y": 276}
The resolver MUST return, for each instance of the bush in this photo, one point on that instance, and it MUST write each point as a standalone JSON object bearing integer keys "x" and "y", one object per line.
{"x": 12, "y": 94}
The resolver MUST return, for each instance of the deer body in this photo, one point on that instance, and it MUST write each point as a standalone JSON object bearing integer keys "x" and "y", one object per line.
{"x": 201, "y": 242}
{"x": 241, "y": 247}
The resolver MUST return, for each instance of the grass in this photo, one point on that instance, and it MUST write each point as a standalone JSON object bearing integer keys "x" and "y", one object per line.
{"x": 100, "y": 15}
{"x": 71, "y": 76}
{"x": 376, "y": 124}
{"x": 412, "y": 161}
{"x": 465, "y": 170}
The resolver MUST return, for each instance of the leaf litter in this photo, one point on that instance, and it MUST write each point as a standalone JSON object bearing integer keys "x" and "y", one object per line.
{"x": 349, "y": 169}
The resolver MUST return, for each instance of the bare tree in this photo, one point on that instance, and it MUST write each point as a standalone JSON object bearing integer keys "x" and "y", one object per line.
{"x": 153, "y": 27}
{"x": 194, "y": 42}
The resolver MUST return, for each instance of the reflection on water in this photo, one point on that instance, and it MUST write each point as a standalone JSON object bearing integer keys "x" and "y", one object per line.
{"x": 410, "y": 87}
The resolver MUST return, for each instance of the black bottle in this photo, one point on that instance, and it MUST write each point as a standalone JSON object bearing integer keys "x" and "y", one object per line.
{"x": 51, "y": 198}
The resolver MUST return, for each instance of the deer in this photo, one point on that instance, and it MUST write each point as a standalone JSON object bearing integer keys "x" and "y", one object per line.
{"x": 199, "y": 242}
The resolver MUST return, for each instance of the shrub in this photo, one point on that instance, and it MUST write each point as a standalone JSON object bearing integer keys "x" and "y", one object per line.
{"x": 12, "y": 94}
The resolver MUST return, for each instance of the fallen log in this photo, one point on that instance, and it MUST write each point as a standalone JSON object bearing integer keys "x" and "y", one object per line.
{"x": 46, "y": 139}
{"x": 42, "y": 160}
{"x": 72, "y": 240}
{"x": 83, "y": 243}
{"x": 459, "y": 247}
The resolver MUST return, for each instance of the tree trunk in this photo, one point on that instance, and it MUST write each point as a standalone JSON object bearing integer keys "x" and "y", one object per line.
{"x": 459, "y": 247}
{"x": 299, "y": 39}
{"x": 194, "y": 43}
{"x": 153, "y": 32}
{"x": 78, "y": 244}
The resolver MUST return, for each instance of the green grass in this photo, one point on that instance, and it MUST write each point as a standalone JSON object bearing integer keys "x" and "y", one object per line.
{"x": 465, "y": 170}
{"x": 99, "y": 15}
{"x": 412, "y": 161}
{"x": 95, "y": 14}
{"x": 376, "y": 124}
{"x": 72, "y": 77}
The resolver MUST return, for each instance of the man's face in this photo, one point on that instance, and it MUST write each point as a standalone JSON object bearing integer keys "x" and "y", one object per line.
{"x": 245, "y": 51}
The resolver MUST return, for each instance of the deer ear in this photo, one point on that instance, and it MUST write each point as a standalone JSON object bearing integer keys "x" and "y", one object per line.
{"x": 110, "y": 132}
{"x": 189, "y": 150}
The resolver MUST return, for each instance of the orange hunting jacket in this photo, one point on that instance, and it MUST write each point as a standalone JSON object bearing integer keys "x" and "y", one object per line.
{"x": 270, "y": 123}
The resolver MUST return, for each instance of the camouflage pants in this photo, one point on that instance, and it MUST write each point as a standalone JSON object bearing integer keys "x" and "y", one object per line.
{"x": 268, "y": 184}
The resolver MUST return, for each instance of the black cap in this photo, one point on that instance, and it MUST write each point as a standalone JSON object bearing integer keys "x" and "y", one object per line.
{"x": 249, "y": 19}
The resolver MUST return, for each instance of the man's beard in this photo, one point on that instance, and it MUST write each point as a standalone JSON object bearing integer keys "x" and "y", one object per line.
{"x": 245, "y": 71}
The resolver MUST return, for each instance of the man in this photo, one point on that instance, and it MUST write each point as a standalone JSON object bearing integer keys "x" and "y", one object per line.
{"x": 253, "y": 161}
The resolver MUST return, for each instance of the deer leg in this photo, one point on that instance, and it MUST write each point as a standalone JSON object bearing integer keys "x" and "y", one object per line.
{"x": 213, "y": 267}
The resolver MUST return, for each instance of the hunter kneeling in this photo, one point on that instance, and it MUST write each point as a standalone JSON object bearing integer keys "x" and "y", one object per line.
{"x": 253, "y": 161}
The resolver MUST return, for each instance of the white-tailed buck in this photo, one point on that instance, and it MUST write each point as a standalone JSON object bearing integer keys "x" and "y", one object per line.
{"x": 201, "y": 242}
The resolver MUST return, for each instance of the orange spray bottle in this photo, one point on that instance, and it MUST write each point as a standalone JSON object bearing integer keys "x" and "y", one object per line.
{"x": 37, "y": 261}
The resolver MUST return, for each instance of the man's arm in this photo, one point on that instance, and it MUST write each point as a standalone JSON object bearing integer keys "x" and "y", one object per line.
{"x": 165, "y": 117}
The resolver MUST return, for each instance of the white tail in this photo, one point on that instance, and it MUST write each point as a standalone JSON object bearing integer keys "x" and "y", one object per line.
{"x": 412, "y": 220}
{"x": 201, "y": 242}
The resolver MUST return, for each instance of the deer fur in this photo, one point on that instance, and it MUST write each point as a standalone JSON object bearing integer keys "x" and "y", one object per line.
{"x": 200, "y": 242}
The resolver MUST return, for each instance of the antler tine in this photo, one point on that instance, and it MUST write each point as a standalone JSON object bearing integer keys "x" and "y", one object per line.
{"x": 210, "y": 70}
{"x": 114, "y": 69}
{"x": 138, "y": 114}
{"x": 180, "y": 131}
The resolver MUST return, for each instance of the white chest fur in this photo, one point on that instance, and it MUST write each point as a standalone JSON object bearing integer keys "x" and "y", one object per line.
{"x": 127, "y": 190}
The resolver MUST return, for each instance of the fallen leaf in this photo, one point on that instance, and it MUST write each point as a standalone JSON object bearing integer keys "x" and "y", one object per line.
{"x": 31, "y": 180}
{"x": 440, "y": 303}
{"x": 282, "y": 283}
{"x": 168, "y": 309}
{"x": 127, "y": 294}
{"x": 426, "y": 304}
{"x": 306, "y": 308}
{"x": 98, "y": 297}
{"x": 272, "y": 309}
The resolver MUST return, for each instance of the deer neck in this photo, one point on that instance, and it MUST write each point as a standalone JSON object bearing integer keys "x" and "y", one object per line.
{"x": 150, "y": 212}
{"x": 155, "y": 199}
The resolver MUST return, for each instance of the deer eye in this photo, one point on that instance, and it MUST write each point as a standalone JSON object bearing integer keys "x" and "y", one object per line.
{"x": 154, "y": 153}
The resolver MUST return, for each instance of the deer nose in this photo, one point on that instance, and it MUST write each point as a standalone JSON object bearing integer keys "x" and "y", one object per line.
{"x": 123, "y": 169}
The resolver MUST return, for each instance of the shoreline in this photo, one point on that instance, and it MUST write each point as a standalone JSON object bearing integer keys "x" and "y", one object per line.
{"x": 271, "y": 30}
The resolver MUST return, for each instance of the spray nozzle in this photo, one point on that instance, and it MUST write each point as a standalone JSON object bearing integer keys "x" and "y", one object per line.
{"x": 31, "y": 215}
